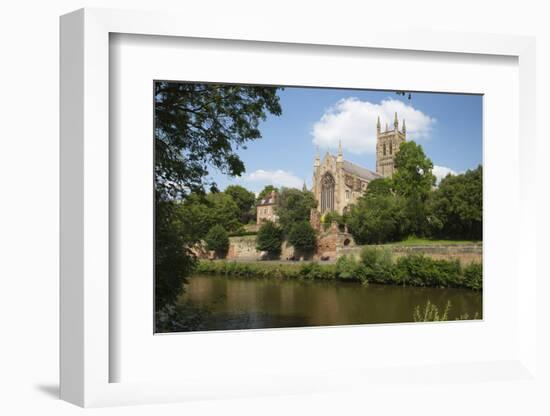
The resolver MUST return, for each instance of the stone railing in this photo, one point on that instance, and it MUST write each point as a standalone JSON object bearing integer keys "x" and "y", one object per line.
{"x": 465, "y": 252}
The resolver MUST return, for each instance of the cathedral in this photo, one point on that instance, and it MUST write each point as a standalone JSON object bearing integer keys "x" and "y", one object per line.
{"x": 338, "y": 183}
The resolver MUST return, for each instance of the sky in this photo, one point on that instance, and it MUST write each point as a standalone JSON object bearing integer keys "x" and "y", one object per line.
{"x": 447, "y": 126}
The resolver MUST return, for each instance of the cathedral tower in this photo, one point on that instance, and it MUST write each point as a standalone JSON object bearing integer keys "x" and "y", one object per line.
{"x": 387, "y": 145}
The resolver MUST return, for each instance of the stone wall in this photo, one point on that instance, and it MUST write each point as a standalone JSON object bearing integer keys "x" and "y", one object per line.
{"x": 244, "y": 248}
{"x": 465, "y": 253}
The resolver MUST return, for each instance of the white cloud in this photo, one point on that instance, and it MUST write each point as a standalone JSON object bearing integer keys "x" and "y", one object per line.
{"x": 354, "y": 123}
{"x": 277, "y": 178}
{"x": 442, "y": 171}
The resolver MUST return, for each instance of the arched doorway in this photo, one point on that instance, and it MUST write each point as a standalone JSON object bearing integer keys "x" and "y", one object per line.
{"x": 327, "y": 193}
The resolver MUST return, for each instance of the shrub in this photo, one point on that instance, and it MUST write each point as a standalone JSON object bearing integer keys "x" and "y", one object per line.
{"x": 316, "y": 271}
{"x": 331, "y": 216}
{"x": 348, "y": 269}
{"x": 217, "y": 240}
{"x": 369, "y": 256}
{"x": 269, "y": 239}
{"x": 377, "y": 265}
{"x": 419, "y": 270}
{"x": 473, "y": 276}
{"x": 302, "y": 237}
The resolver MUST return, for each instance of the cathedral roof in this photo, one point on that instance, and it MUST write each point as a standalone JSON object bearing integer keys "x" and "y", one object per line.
{"x": 359, "y": 171}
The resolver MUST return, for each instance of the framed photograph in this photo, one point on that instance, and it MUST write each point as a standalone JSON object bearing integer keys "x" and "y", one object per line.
{"x": 280, "y": 239}
{"x": 246, "y": 215}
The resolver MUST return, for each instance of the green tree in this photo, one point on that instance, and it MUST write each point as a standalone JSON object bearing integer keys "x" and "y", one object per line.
{"x": 173, "y": 258}
{"x": 269, "y": 239}
{"x": 217, "y": 240}
{"x": 199, "y": 125}
{"x": 302, "y": 237}
{"x": 266, "y": 192}
{"x": 244, "y": 200}
{"x": 377, "y": 219}
{"x": 380, "y": 186}
{"x": 414, "y": 181}
{"x": 456, "y": 207}
{"x": 196, "y": 126}
{"x": 205, "y": 211}
{"x": 293, "y": 206}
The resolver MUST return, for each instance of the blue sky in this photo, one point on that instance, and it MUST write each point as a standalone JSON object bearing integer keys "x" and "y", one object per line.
{"x": 447, "y": 126}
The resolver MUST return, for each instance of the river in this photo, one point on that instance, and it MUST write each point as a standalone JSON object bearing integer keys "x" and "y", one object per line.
{"x": 245, "y": 303}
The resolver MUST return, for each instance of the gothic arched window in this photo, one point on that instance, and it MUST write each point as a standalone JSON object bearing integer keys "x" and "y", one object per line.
{"x": 327, "y": 193}
{"x": 384, "y": 149}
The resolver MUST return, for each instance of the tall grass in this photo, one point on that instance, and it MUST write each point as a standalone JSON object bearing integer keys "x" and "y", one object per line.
{"x": 431, "y": 313}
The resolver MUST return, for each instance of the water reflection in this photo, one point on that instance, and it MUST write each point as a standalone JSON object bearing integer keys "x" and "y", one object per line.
{"x": 272, "y": 303}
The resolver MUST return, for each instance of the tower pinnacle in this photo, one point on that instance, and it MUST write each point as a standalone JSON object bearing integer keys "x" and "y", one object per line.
{"x": 396, "y": 122}
{"x": 317, "y": 162}
{"x": 404, "y": 126}
{"x": 340, "y": 152}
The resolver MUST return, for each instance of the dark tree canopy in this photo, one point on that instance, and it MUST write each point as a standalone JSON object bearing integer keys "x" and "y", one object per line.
{"x": 456, "y": 207}
{"x": 380, "y": 186}
{"x": 414, "y": 181}
{"x": 217, "y": 240}
{"x": 198, "y": 126}
{"x": 294, "y": 206}
{"x": 244, "y": 200}
{"x": 302, "y": 237}
{"x": 204, "y": 211}
{"x": 266, "y": 192}
{"x": 173, "y": 258}
{"x": 413, "y": 177}
{"x": 269, "y": 239}
{"x": 378, "y": 219}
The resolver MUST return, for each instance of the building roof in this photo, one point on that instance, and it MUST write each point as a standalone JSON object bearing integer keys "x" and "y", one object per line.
{"x": 267, "y": 201}
{"x": 359, "y": 171}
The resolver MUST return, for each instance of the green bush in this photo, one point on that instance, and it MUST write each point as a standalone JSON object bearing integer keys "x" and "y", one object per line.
{"x": 269, "y": 239}
{"x": 217, "y": 240}
{"x": 473, "y": 276}
{"x": 377, "y": 265}
{"x": 369, "y": 256}
{"x": 315, "y": 271}
{"x": 420, "y": 270}
{"x": 302, "y": 237}
{"x": 347, "y": 268}
{"x": 331, "y": 216}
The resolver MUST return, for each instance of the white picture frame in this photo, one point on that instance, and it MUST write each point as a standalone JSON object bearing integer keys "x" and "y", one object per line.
{"x": 86, "y": 356}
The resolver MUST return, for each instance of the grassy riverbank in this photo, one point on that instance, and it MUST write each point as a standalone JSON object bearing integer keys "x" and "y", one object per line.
{"x": 374, "y": 266}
